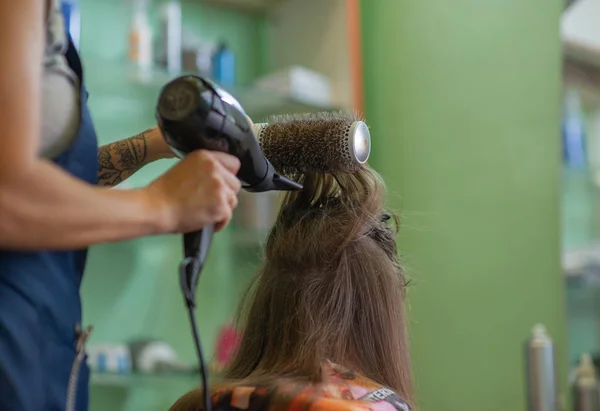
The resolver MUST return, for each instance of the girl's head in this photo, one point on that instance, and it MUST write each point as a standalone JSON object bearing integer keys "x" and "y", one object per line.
{"x": 331, "y": 288}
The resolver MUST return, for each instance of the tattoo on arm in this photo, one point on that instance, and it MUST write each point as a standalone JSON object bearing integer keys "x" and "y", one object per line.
{"x": 119, "y": 160}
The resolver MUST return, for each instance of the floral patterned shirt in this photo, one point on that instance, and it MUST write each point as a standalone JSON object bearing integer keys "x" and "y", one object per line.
{"x": 343, "y": 390}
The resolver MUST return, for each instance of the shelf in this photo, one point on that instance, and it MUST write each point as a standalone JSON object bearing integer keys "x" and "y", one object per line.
{"x": 127, "y": 88}
{"x": 139, "y": 392}
{"x": 127, "y": 381}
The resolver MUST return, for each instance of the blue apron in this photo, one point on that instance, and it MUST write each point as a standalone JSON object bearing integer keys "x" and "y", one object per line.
{"x": 40, "y": 306}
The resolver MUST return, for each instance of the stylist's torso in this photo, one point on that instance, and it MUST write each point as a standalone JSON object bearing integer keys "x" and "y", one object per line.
{"x": 40, "y": 308}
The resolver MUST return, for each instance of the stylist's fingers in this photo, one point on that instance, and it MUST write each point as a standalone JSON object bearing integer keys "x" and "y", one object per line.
{"x": 231, "y": 180}
{"x": 233, "y": 200}
{"x": 229, "y": 203}
{"x": 230, "y": 166}
{"x": 228, "y": 161}
{"x": 228, "y": 212}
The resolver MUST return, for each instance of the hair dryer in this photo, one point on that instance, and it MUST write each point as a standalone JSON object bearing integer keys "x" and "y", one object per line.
{"x": 194, "y": 113}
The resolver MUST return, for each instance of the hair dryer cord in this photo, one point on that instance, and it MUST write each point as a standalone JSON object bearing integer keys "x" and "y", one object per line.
{"x": 189, "y": 271}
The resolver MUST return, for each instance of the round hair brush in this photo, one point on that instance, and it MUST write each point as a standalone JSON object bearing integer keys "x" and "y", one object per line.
{"x": 317, "y": 142}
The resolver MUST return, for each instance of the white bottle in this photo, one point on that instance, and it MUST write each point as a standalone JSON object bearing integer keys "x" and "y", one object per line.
{"x": 140, "y": 35}
{"x": 170, "y": 18}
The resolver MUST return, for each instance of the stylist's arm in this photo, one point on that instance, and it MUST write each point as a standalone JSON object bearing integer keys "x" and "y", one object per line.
{"x": 44, "y": 207}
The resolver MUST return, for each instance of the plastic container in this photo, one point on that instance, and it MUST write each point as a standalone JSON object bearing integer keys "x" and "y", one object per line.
{"x": 580, "y": 156}
{"x": 171, "y": 33}
{"x": 140, "y": 35}
{"x": 573, "y": 132}
{"x": 223, "y": 66}
{"x": 226, "y": 345}
{"x": 540, "y": 371}
{"x": 109, "y": 358}
{"x": 199, "y": 58}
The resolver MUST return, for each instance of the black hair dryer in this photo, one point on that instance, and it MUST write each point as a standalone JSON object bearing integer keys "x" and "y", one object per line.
{"x": 194, "y": 113}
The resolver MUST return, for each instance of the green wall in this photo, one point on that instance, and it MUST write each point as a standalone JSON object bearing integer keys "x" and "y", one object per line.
{"x": 463, "y": 101}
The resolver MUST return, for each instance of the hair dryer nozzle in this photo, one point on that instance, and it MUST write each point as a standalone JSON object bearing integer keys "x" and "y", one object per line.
{"x": 285, "y": 184}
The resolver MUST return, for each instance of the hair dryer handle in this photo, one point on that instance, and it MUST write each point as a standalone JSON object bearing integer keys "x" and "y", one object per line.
{"x": 196, "y": 246}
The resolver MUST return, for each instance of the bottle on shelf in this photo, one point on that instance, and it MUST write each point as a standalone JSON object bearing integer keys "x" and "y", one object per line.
{"x": 573, "y": 132}
{"x": 586, "y": 396}
{"x": 140, "y": 35}
{"x": 224, "y": 66}
{"x": 172, "y": 33}
{"x": 227, "y": 343}
{"x": 578, "y": 189}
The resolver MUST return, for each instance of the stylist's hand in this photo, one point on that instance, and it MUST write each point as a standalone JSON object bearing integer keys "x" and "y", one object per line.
{"x": 199, "y": 190}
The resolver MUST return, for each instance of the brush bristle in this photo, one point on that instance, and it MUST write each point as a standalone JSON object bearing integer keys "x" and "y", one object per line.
{"x": 305, "y": 143}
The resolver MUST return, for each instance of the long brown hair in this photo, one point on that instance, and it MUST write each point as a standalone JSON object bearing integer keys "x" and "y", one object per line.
{"x": 331, "y": 287}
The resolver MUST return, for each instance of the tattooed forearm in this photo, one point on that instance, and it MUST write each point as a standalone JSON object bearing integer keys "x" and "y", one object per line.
{"x": 119, "y": 160}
